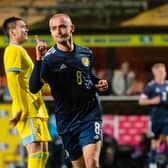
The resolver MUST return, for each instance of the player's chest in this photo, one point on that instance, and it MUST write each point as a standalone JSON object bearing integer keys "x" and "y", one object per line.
{"x": 160, "y": 89}
{"x": 26, "y": 64}
{"x": 80, "y": 62}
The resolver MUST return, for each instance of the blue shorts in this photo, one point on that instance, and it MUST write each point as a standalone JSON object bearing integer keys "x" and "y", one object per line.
{"x": 87, "y": 133}
{"x": 160, "y": 127}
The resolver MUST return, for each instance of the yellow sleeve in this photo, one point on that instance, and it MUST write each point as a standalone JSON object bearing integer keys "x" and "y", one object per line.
{"x": 15, "y": 92}
{"x": 13, "y": 59}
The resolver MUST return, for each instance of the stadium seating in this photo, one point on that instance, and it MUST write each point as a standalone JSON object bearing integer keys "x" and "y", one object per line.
{"x": 126, "y": 129}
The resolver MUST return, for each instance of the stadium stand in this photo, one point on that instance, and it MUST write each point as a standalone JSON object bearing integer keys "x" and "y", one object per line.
{"x": 35, "y": 11}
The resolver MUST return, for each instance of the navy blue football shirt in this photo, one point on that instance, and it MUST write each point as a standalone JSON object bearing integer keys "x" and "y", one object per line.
{"x": 72, "y": 84}
{"x": 159, "y": 112}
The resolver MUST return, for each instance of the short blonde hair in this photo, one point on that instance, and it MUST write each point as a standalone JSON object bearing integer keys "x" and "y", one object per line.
{"x": 158, "y": 65}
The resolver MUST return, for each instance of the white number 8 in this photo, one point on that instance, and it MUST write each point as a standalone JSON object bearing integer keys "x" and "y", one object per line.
{"x": 97, "y": 128}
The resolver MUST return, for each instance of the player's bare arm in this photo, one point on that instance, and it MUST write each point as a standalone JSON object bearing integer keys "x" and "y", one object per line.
{"x": 146, "y": 101}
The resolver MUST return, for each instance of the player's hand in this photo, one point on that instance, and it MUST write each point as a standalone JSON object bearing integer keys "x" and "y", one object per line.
{"x": 102, "y": 85}
{"x": 156, "y": 100}
{"x": 14, "y": 120}
{"x": 41, "y": 48}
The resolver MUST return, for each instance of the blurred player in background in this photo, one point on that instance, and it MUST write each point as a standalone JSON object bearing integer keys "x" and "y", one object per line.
{"x": 156, "y": 95}
{"x": 29, "y": 113}
{"x": 67, "y": 68}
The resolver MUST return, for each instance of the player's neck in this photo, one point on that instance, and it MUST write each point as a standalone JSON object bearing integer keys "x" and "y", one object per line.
{"x": 15, "y": 42}
{"x": 159, "y": 81}
{"x": 67, "y": 47}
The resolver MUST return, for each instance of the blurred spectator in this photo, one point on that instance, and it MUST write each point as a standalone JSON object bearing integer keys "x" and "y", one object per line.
{"x": 130, "y": 82}
{"x": 135, "y": 86}
{"x": 124, "y": 81}
{"x": 119, "y": 83}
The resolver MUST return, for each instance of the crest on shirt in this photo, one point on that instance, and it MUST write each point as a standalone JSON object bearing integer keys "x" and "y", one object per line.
{"x": 85, "y": 61}
{"x": 157, "y": 90}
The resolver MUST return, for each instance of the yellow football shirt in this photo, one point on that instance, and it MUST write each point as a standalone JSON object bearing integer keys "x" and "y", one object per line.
{"x": 18, "y": 68}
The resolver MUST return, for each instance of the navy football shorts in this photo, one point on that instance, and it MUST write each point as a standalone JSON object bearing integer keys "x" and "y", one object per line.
{"x": 159, "y": 128}
{"x": 87, "y": 133}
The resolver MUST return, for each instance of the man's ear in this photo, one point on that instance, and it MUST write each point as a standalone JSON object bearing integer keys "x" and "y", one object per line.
{"x": 12, "y": 32}
{"x": 72, "y": 28}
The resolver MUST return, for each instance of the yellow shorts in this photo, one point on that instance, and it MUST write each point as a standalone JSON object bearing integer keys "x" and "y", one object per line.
{"x": 33, "y": 130}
